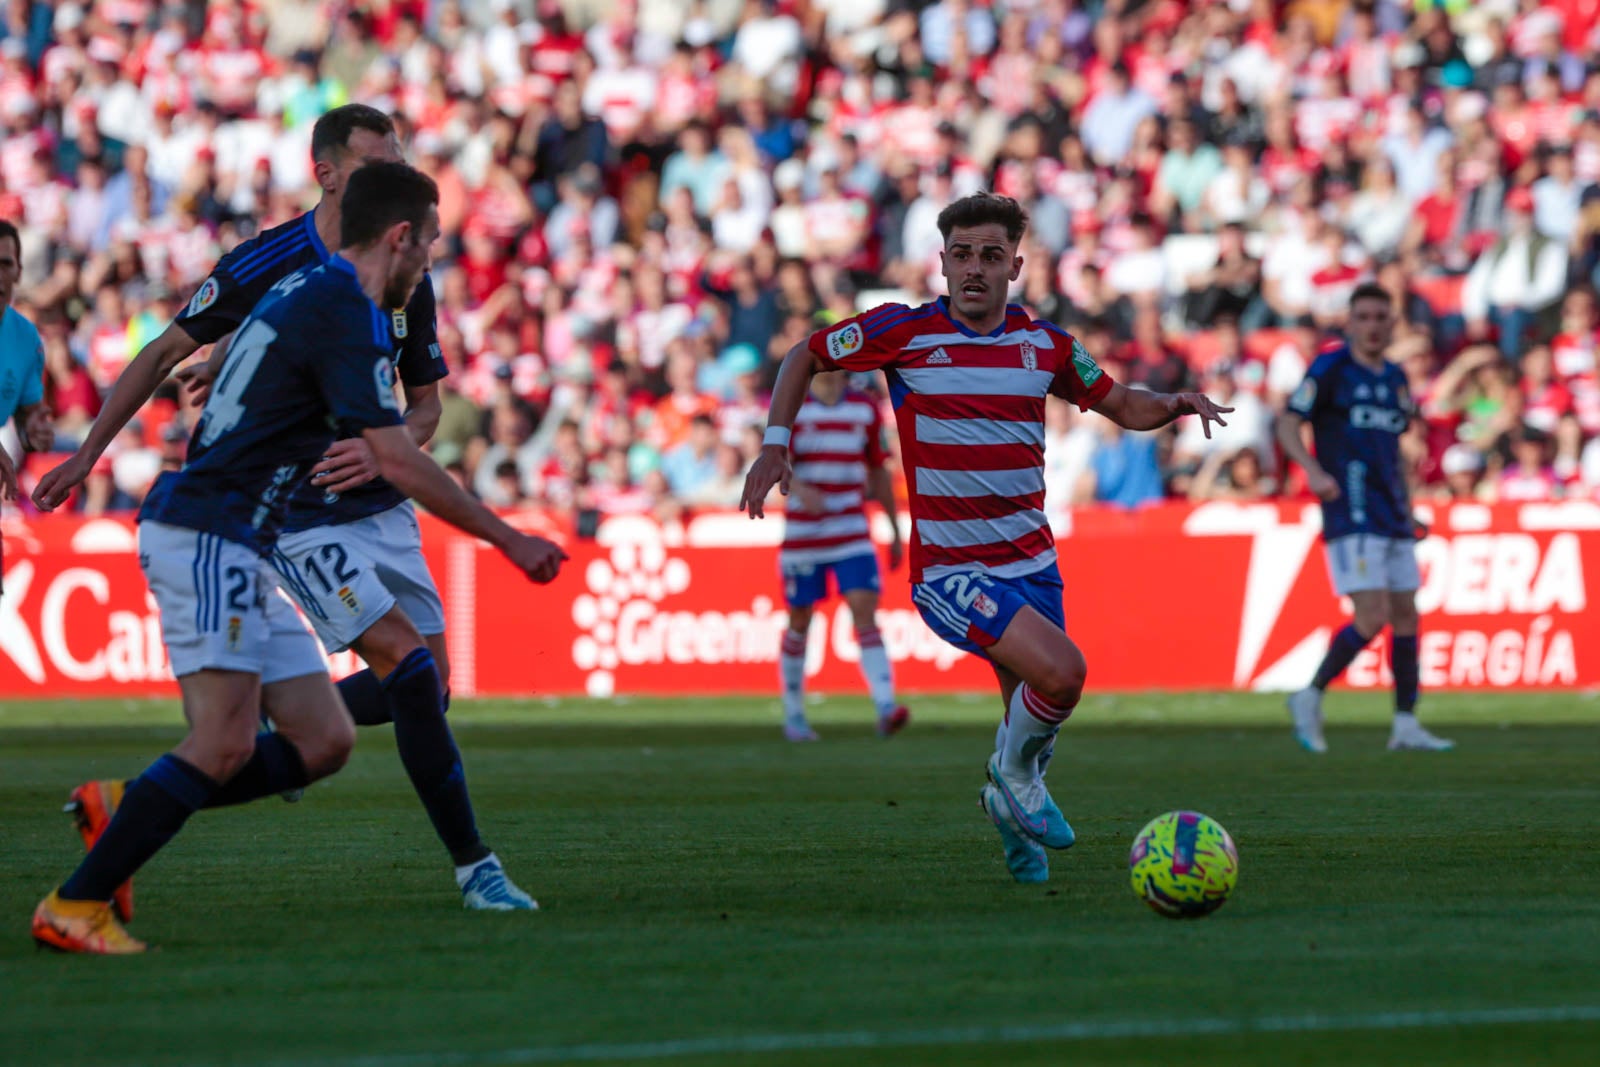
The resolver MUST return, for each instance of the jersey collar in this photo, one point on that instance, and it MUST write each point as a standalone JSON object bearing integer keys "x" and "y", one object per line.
{"x": 338, "y": 262}
{"x": 310, "y": 221}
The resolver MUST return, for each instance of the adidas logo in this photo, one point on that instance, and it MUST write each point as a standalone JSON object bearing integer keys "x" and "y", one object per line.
{"x": 940, "y": 356}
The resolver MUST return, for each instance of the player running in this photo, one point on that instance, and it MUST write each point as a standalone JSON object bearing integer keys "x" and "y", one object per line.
{"x": 316, "y": 353}
{"x": 351, "y": 552}
{"x": 1358, "y": 406}
{"x": 968, "y": 376}
{"x": 838, "y": 462}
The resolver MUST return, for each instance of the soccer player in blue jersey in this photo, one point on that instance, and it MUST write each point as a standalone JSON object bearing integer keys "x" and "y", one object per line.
{"x": 351, "y": 553}
{"x": 313, "y": 359}
{"x": 21, "y": 366}
{"x": 1358, "y": 406}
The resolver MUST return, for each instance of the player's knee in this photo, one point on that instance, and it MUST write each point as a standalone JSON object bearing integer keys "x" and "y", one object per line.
{"x": 329, "y": 748}
{"x": 1370, "y": 619}
{"x": 865, "y": 616}
{"x": 1062, "y": 682}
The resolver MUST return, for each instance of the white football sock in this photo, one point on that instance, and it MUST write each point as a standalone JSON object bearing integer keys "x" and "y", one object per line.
{"x": 1031, "y": 725}
{"x": 792, "y": 672}
{"x": 876, "y": 670}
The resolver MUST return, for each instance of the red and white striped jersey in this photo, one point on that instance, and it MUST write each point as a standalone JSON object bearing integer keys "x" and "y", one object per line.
{"x": 834, "y": 448}
{"x": 970, "y": 409}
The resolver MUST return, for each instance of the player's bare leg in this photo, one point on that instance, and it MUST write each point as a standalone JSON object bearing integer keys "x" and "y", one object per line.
{"x": 792, "y": 675}
{"x": 1371, "y": 608}
{"x": 1407, "y": 733}
{"x": 875, "y": 668}
{"x": 1051, "y": 672}
{"x": 404, "y": 687}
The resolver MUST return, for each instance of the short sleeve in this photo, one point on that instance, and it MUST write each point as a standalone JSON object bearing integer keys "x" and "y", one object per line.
{"x": 220, "y": 304}
{"x": 33, "y": 378}
{"x": 1311, "y": 396}
{"x": 1078, "y": 379}
{"x": 416, "y": 331}
{"x": 862, "y": 342}
{"x": 357, "y": 376}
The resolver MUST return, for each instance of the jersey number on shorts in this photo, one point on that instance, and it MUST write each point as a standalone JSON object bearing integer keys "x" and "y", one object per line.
{"x": 224, "y": 409}
{"x": 338, "y": 561}
{"x": 964, "y": 589}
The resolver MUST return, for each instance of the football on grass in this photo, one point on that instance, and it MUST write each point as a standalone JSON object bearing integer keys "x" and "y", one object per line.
{"x": 1184, "y": 864}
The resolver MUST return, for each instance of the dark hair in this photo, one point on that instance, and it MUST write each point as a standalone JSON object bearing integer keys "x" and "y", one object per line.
{"x": 980, "y": 209}
{"x": 332, "y": 131}
{"x": 1371, "y": 291}
{"x": 9, "y": 229}
{"x": 380, "y": 195}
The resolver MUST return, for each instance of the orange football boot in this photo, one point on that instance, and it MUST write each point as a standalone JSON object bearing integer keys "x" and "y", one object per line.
{"x": 92, "y": 805}
{"x": 82, "y": 926}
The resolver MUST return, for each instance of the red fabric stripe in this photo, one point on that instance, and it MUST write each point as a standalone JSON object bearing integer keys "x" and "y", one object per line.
{"x": 1019, "y": 408}
{"x": 1000, "y": 457}
{"x": 1028, "y": 547}
{"x": 869, "y": 638}
{"x": 947, "y": 508}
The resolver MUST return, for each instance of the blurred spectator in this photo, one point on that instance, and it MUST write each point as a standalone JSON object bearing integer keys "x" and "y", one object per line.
{"x": 1515, "y": 280}
{"x": 691, "y": 467}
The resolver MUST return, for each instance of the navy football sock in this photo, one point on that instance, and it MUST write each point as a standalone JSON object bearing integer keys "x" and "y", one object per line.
{"x": 1403, "y": 662}
{"x": 1347, "y": 644}
{"x": 275, "y": 767}
{"x": 364, "y": 695}
{"x": 430, "y": 756}
{"x": 153, "y": 809}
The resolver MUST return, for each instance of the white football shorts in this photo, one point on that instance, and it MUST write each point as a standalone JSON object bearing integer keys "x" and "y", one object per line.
{"x": 1362, "y": 562}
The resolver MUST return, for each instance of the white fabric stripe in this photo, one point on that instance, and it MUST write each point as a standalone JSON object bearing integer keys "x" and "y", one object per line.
{"x": 814, "y": 441}
{"x": 1017, "y": 569}
{"x": 966, "y": 533}
{"x": 842, "y": 501}
{"x": 937, "y": 606}
{"x": 1040, "y": 339}
{"x": 931, "y": 431}
{"x": 858, "y": 413}
{"x": 1018, "y": 482}
{"x": 976, "y": 381}
{"x": 798, "y": 529}
{"x": 831, "y": 473}
{"x": 802, "y": 557}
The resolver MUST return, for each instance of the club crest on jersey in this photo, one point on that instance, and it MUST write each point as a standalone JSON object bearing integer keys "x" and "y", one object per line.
{"x": 235, "y": 631}
{"x": 846, "y": 341}
{"x": 204, "y": 297}
{"x": 348, "y": 597}
{"x": 400, "y": 329}
{"x": 983, "y": 604}
{"x": 1030, "y": 356}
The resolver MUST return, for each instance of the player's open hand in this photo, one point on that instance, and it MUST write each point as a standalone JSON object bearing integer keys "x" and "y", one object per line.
{"x": 771, "y": 468}
{"x": 59, "y": 481}
{"x": 344, "y": 466}
{"x": 195, "y": 381}
{"x": 539, "y": 559}
{"x": 8, "y": 478}
{"x": 1208, "y": 410}
{"x": 1325, "y": 485}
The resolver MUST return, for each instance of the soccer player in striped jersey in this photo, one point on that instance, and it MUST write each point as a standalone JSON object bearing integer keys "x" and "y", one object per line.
{"x": 838, "y": 458}
{"x": 968, "y": 376}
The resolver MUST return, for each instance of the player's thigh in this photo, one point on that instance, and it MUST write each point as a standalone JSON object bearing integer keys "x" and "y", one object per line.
{"x": 1039, "y": 652}
{"x": 393, "y": 540}
{"x": 307, "y": 710}
{"x": 1015, "y": 623}
{"x": 223, "y": 709}
{"x": 334, "y": 580}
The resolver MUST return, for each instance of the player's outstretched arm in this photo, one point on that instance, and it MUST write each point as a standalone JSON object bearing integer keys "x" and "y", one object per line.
{"x": 135, "y": 386}
{"x": 1140, "y": 409}
{"x": 1293, "y": 442}
{"x": 405, "y": 467}
{"x": 772, "y": 467}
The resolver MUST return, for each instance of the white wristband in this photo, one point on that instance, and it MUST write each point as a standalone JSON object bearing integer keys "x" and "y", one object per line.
{"x": 776, "y": 435}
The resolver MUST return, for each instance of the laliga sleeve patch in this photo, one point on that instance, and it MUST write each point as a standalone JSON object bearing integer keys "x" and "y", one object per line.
{"x": 1304, "y": 397}
{"x": 204, "y": 297}
{"x": 846, "y": 341}
{"x": 383, "y": 375}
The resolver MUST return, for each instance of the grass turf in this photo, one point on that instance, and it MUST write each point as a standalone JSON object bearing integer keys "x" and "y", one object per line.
{"x": 835, "y": 903}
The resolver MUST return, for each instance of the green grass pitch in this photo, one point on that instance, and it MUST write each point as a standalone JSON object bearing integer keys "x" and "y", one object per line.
{"x": 714, "y": 895}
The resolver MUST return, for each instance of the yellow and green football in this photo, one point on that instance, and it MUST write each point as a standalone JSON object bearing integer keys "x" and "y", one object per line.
{"x": 1184, "y": 865}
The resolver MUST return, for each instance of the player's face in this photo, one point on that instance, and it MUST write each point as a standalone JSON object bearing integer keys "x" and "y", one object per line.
{"x": 1371, "y": 326}
{"x": 411, "y": 261}
{"x": 979, "y": 263}
{"x": 10, "y": 270}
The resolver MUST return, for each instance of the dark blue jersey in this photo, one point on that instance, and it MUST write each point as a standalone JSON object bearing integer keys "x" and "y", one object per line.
{"x": 312, "y": 362}
{"x": 244, "y": 275}
{"x": 1357, "y": 416}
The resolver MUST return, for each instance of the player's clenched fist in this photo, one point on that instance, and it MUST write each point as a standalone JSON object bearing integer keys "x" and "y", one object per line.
{"x": 539, "y": 559}
{"x": 1325, "y": 485}
{"x": 771, "y": 468}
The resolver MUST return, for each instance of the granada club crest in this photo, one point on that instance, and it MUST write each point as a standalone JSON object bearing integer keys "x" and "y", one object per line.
{"x": 1030, "y": 356}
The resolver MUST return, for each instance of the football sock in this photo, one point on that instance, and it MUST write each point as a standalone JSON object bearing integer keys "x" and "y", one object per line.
{"x": 429, "y": 754}
{"x": 792, "y": 671}
{"x": 876, "y": 670}
{"x": 1346, "y": 645}
{"x": 275, "y": 767}
{"x": 364, "y": 695}
{"x": 153, "y": 809}
{"x": 1403, "y": 662}
{"x": 1031, "y": 725}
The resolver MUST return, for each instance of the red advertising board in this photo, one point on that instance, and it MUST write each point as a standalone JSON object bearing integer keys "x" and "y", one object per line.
{"x": 1219, "y": 596}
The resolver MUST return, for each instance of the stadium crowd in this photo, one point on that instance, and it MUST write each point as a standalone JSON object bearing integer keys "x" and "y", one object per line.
{"x": 647, "y": 202}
